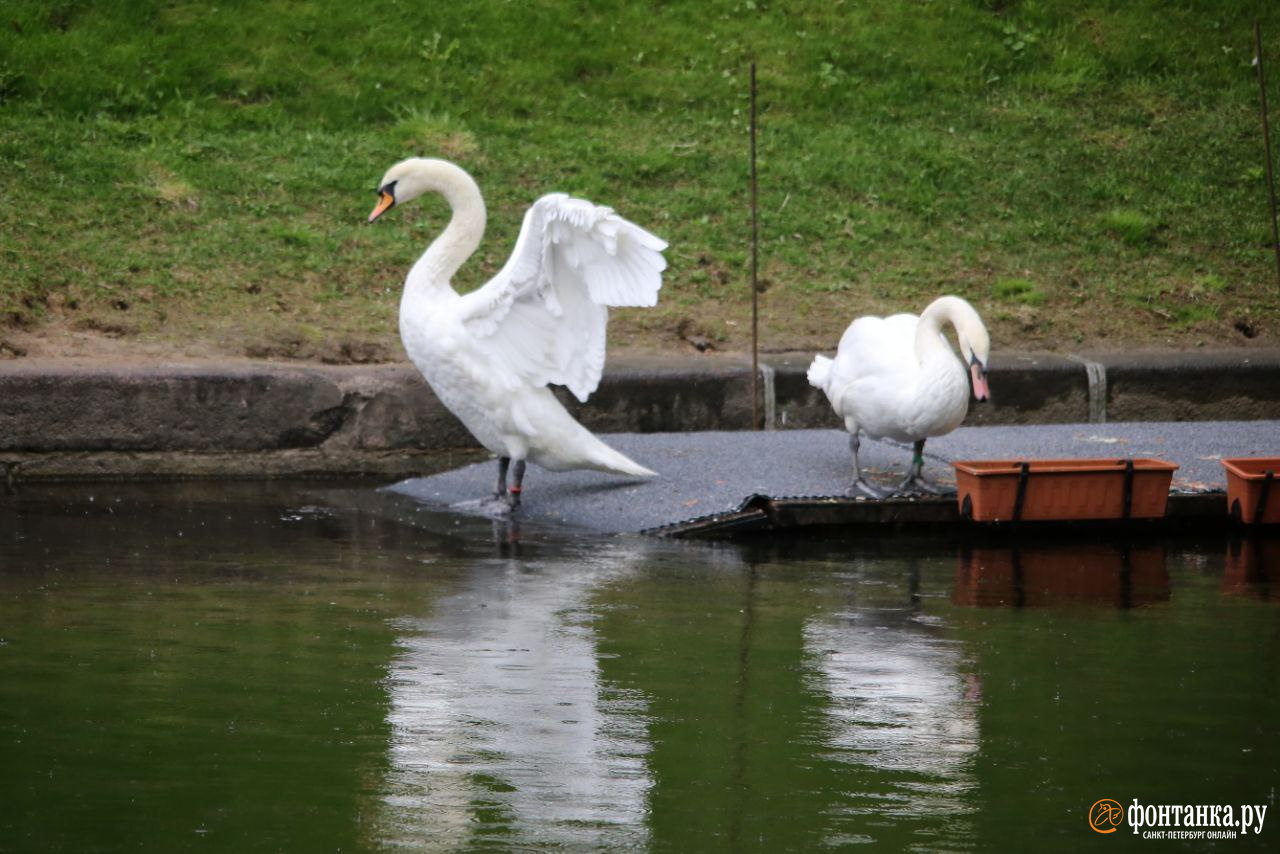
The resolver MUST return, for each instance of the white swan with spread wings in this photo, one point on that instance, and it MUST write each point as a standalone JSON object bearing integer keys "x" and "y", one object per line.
{"x": 489, "y": 355}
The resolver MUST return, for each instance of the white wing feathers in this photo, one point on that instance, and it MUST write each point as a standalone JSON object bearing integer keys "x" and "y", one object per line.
{"x": 542, "y": 318}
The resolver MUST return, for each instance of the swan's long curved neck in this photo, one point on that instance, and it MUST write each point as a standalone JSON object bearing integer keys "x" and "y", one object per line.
{"x": 940, "y": 312}
{"x": 929, "y": 330}
{"x": 461, "y": 236}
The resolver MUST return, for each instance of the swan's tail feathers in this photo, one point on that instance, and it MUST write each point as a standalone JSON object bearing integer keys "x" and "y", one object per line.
{"x": 820, "y": 372}
{"x": 621, "y": 464}
{"x": 600, "y": 457}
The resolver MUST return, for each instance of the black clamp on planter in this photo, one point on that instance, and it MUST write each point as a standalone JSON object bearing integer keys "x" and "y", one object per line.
{"x": 1269, "y": 476}
{"x": 1024, "y": 472}
{"x": 1128, "y": 488}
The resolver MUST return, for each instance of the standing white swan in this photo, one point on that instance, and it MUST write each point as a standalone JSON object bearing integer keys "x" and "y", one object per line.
{"x": 898, "y": 378}
{"x": 489, "y": 355}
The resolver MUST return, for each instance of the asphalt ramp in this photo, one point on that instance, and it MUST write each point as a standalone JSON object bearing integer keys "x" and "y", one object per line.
{"x": 710, "y": 476}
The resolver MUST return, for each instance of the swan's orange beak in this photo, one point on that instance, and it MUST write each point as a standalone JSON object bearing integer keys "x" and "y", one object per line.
{"x": 385, "y": 201}
{"x": 978, "y": 373}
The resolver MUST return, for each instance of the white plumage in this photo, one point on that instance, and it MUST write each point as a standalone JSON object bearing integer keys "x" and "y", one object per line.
{"x": 489, "y": 355}
{"x": 898, "y": 378}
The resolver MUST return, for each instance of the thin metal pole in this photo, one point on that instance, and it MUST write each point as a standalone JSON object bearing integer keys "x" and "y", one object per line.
{"x": 755, "y": 270}
{"x": 1266, "y": 143}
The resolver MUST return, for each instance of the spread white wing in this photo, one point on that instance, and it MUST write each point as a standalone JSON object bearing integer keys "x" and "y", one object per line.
{"x": 542, "y": 318}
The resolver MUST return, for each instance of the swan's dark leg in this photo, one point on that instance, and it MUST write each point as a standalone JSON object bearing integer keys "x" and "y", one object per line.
{"x": 500, "y": 494}
{"x": 860, "y": 484}
{"x": 517, "y": 485}
{"x": 915, "y": 482}
{"x": 504, "y": 500}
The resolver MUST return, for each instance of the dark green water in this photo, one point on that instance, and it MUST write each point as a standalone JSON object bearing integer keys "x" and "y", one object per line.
{"x": 259, "y": 668}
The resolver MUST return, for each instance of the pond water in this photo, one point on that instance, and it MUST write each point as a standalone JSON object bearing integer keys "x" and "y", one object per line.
{"x": 278, "y": 667}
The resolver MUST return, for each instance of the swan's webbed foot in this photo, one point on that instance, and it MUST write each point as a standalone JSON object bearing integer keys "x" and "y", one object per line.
{"x": 862, "y": 488}
{"x": 500, "y": 504}
{"x": 504, "y": 503}
{"x": 915, "y": 483}
{"x": 507, "y": 499}
{"x": 491, "y": 507}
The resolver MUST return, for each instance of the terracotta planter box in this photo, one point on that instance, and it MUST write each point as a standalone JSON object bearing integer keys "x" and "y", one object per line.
{"x": 1044, "y": 490}
{"x": 1253, "y": 493}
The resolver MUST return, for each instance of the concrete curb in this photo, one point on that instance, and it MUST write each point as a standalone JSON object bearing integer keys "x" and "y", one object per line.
{"x": 63, "y": 421}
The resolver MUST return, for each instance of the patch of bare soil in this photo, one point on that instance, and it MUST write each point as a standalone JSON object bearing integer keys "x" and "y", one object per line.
{"x": 79, "y": 342}
{"x": 813, "y": 325}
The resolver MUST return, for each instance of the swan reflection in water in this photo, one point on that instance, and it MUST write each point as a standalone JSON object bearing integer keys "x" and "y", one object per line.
{"x": 504, "y": 728}
{"x": 903, "y": 701}
{"x": 501, "y": 723}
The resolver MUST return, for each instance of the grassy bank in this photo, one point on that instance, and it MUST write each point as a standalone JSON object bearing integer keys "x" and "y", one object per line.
{"x": 1088, "y": 174}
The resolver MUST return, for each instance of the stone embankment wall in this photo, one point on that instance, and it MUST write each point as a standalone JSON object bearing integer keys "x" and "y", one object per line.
{"x": 270, "y": 419}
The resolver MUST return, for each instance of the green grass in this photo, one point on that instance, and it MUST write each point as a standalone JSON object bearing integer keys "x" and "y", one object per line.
{"x": 1133, "y": 227}
{"x": 197, "y": 172}
{"x": 1020, "y": 291}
